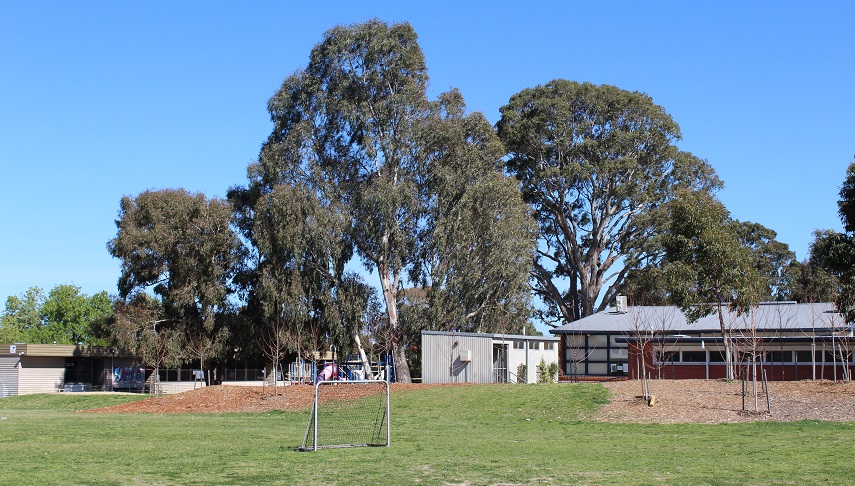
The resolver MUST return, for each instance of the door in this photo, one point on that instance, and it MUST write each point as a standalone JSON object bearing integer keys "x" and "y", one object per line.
{"x": 9, "y": 376}
{"x": 500, "y": 363}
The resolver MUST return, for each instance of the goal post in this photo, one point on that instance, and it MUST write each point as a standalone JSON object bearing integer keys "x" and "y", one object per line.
{"x": 348, "y": 414}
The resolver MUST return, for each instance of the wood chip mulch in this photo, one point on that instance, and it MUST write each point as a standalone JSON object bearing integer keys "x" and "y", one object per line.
{"x": 719, "y": 401}
{"x": 677, "y": 401}
{"x": 228, "y": 399}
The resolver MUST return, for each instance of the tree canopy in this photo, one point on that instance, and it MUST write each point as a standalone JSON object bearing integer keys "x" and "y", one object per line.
{"x": 707, "y": 267}
{"x": 832, "y": 254}
{"x": 179, "y": 246}
{"x": 356, "y": 132}
{"x": 64, "y": 316}
{"x": 597, "y": 163}
{"x": 478, "y": 241}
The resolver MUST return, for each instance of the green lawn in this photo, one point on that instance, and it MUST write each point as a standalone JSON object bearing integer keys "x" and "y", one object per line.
{"x": 510, "y": 434}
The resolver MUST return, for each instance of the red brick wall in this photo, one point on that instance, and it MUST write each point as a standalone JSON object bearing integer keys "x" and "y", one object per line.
{"x": 684, "y": 371}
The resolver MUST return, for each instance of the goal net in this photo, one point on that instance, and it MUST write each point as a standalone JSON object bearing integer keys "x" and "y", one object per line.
{"x": 348, "y": 414}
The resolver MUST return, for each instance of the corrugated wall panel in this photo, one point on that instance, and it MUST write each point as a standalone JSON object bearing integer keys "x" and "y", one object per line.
{"x": 40, "y": 374}
{"x": 442, "y": 363}
{"x": 8, "y": 376}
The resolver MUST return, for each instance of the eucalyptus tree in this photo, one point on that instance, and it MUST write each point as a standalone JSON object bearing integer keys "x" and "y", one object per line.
{"x": 478, "y": 240}
{"x": 597, "y": 164}
{"x": 708, "y": 269}
{"x": 807, "y": 281}
{"x": 770, "y": 257}
{"x": 179, "y": 246}
{"x": 347, "y": 127}
{"x": 302, "y": 249}
{"x": 834, "y": 252}
{"x": 356, "y": 129}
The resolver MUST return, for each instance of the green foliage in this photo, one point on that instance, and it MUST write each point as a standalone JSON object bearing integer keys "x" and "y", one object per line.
{"x": 846, "y": 204}
{"x": 459, "y": 434}
{"x": 22, "y": 320}
{"x": 707, "y": 266}
{"x": 807, "y": 281}
{"x": 65, "y": 316}
{"x": 834, "y": 253}
{"x": 547, "y": 373}
{"x": 475, "y": 251}
{"x": 597, "y": 164}
{"x": 770, "y": 258}
{"x": 522, "y": 373}
{"x": 74, "y": 317}
{"x": 180, "y": 246}
{"x": 367, "y": 166}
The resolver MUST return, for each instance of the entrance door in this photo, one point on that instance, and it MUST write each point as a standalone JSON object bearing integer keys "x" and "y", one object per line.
{"x": 500, "y": 363}
{"x": 9, "y": 376}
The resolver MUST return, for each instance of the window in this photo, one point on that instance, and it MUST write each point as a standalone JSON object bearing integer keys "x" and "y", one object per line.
{"x": 780, "y": 356}
{"x": 548, "y": 346}
{"x": 598, "y": 340}
{"x": 694, "y": 356}
{"x": 533, "y": 345}
{"x": 519, "y": 345}
{"x": 577, "y": 341}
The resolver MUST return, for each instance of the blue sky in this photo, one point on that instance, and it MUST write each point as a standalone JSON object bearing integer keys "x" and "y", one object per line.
{"x": 104, "y": 99}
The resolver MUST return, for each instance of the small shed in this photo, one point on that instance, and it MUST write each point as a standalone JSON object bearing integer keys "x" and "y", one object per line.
{"x": 49, "y": 368}
{"x": 462, "y": 357}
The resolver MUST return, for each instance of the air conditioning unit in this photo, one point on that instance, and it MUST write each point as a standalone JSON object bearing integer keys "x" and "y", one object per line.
{"x": 466, "y": 356}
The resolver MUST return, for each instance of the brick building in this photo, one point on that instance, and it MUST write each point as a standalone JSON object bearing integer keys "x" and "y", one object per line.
{"x": 790, "y": 341}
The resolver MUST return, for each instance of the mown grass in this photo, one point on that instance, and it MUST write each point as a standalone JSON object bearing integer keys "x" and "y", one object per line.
{"x": 67, "y": 401}
{"x": 511, "y": 434}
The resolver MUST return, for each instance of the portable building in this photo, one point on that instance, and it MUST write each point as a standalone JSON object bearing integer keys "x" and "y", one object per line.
{"x": 49, "y": 368}
{"x": 460, "y": 357}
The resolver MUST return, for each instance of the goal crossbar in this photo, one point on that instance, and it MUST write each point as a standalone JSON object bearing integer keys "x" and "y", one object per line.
{"x": 348, "y": 414}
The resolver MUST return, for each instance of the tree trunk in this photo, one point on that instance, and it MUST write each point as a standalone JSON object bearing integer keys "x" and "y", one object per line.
{"x": 366, "y": 365}
{"x": 390, "y": 295}
{"x": 728, "y": 346}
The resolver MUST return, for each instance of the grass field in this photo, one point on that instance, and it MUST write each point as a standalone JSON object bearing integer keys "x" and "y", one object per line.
{"x": 510, "y": 434}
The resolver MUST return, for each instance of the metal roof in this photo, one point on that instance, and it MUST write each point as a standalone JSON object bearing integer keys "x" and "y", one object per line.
{"x": 515, "y": 337}
{"x": 789, "y": 316}
{"x": 62, "y": 350}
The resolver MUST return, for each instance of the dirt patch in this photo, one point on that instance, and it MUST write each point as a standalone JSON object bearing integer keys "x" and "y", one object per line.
{"x": 718, "y": 401}
{"x": 677, "y": 401}
{"x": 225, "y": 399}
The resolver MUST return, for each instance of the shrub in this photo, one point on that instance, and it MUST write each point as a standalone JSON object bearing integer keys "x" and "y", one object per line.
{"x": 522, "y": 373}
{"x": 547, "y": 373}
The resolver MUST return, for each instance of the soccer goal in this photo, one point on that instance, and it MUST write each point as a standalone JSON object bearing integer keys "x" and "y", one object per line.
{"x": 348, "y": 414}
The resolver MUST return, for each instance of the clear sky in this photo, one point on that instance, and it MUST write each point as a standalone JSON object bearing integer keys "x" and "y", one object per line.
{"x": 104, "y": 99}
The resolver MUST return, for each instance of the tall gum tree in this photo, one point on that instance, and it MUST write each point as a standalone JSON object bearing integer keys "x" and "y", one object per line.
{"x": 478, "y": 240}
{"x": 347, "y": 126}
{"x": 596, "y": 163}
{"x": 179, "y": 246}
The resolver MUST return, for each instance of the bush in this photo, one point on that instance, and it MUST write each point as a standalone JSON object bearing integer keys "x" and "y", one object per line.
{"x": 522, "y": 373}
{"x": 547, "y": 373}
